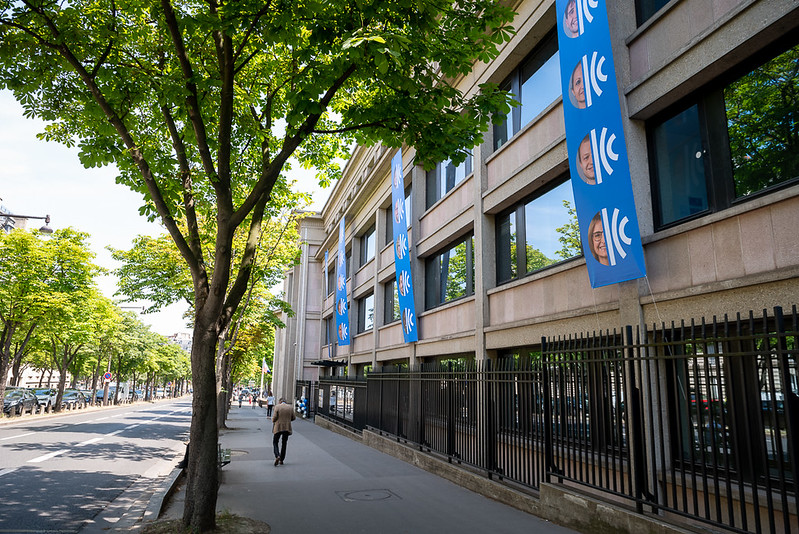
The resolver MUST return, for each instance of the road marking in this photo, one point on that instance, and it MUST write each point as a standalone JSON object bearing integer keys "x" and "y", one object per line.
{"x": 103, "y": 418}
{"x": 88, "y": 442}
{"x": 47, "y": 456}
{"x": 131, "y": 426}
{"x": 115, "y": 433}
{"x": 18, "y": 436}
{"x": 7, "y": 471}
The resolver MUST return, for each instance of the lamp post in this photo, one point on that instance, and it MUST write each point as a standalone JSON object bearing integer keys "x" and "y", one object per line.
{"x": 44, "y": 229}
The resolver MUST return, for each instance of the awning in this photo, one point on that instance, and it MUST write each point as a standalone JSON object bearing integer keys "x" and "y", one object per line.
{"x": 328, "y": 363}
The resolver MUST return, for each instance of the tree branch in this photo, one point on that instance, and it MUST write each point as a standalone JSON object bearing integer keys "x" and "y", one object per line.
{"x": 192, "y": 100}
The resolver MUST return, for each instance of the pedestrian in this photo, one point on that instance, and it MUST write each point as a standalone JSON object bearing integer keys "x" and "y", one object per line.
{"x": 270, "y": 403}
{"x": 241, "y": 399}
{"x": 281, "y": 429}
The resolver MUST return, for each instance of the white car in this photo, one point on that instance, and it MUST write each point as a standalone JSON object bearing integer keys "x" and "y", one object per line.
{"x": 45, "y": 397}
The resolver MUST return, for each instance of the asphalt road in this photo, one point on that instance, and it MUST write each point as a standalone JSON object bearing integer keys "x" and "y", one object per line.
{"x": 57, "y": 473}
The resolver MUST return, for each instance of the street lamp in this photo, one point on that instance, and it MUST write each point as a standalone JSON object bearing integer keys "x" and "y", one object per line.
{"x": 44, "y": 229}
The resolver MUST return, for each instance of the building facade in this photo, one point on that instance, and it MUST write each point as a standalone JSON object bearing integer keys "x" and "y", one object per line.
{"x": 297, "y": 344}
{"x": 709, "y": 96}
{"x": 491, "y": 270}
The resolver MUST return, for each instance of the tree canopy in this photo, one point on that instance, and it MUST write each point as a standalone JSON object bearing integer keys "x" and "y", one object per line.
{"x": 203, "y": 105}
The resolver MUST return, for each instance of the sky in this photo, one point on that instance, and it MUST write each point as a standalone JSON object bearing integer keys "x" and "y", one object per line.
{"x": 39, "y": 178}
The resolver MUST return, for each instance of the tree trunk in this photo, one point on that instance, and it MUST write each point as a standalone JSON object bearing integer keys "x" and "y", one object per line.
{"x": 202, "y": 482}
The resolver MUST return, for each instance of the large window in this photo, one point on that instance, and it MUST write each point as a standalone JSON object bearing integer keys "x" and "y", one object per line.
{"x": 535, "y": 84}
{"x": 366, "y": 313}
{"x": 729, "y": 144}
{"x": 391, "y": 302}
{"x": 450, "y": 275}
{"x": 445, "y": 177}
{"x": 390, "y": 216}
{"x": 368, "y": 245}
{"x": 331, "y": 280}
{"x": 536, "y": 233}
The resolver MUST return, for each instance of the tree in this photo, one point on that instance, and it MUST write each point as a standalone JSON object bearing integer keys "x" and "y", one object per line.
{"x": 763, "y": 125}
{"x": 201, "y": 105}
{"x": 153, "y": 270}
{"x": 569, "y": 235}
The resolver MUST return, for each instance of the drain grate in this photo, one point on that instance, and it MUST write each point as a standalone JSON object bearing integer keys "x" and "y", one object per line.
{"x": 367, "y": 495}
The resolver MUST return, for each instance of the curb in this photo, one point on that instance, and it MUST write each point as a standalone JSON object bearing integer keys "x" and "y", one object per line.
{"x": 161, "y": 496}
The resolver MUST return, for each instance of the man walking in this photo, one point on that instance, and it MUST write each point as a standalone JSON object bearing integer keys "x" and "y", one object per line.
{"x": 281, "y": 429}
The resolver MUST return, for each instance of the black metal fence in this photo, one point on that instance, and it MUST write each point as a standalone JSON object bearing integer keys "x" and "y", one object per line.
{"x": 343, "y": 399}
{"x": 697, "y": 421}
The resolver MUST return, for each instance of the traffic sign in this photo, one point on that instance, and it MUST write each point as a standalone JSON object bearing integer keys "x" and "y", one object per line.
{"x": 107, "y": 376}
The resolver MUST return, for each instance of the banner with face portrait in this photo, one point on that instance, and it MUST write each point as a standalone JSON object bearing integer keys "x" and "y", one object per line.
{"x": 600, "y": 171}
{"x": 402, "y": 257}
{"x": 342, "y": 309}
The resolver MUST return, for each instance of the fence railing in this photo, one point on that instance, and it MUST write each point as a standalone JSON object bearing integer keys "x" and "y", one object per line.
{"x": 697, "y": 421}
{"x": 343, "y": 399}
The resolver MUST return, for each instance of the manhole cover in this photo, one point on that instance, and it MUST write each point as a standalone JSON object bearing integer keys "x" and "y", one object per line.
{"x": 367, "y": 495}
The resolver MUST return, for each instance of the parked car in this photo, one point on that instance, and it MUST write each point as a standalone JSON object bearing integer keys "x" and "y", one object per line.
{"x": 19, "y": 400}
{"x": 98, "y": 396}
{"x": 73, "y": 399}
{"x": 87, "y": 394}
{"x": 45, "y": 397}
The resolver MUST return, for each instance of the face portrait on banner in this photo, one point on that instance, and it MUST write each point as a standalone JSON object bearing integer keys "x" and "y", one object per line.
{"x": 571, "y": 26}
{"x": 585, "y": 161}
{"x": 577, "y": 87}
{"x": 596, "y": 240}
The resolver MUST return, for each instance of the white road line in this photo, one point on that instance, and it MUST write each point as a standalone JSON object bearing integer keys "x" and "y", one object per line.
{"x": 7, "y": 471}
{"x": 131, "y": 426}
{"x": 88, "y": 442}
{"x": 103, "y": 418}
{"x": 115, "y": 433}
{"x": 18, "y": 436}
{"x": 47, "y": 456}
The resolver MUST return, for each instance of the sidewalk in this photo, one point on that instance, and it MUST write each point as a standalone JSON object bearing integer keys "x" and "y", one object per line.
{"x": 332, "y": 484}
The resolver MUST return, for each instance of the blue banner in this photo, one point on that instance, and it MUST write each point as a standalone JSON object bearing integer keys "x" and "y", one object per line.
{"x": 600, "y": 171}
{"x": 342, "y": 310}
{"x": 402, "y": 258}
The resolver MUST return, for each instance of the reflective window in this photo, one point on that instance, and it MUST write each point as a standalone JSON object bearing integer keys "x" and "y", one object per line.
{"x": 450, "y": 275}
{"x": 646, "y": 8}
{"x": 535, "y": 84}
{"x": 445, "y": 177}
{"x": 368, "y": 245}
{"x": 728, "y": 144}
{"x": 392, "y": 309}
{"x": 366, "y": 313}
{"x": 546, "y": 224}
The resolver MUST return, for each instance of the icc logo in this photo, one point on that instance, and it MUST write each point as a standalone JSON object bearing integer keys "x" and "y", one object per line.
{"x": 602, "y": 149}
{"x": 407, "y": 320}
{"x": 593, "y": 71}
{"x": 397, "y": 175}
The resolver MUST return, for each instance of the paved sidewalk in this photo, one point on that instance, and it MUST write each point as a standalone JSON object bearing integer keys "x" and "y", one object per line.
{"x": 331, "y": 484}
